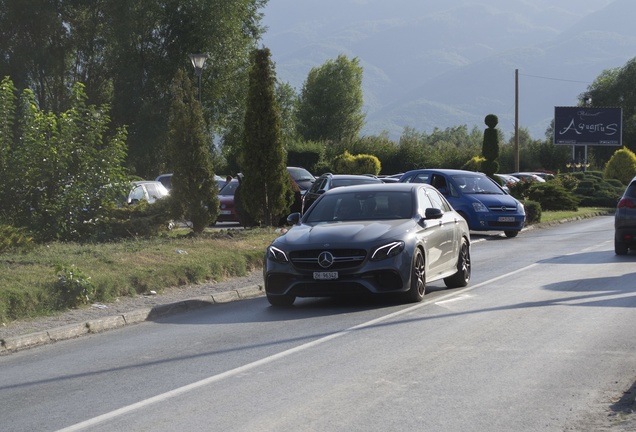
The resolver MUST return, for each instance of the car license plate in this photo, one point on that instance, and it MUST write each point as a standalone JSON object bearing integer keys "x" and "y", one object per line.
{"x": 226, "y": 212}
{"x": 506, "y": 219}
{"x": 325, "y": 275}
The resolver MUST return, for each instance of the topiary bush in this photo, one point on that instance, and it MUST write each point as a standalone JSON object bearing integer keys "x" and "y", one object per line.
{"x": 490, "y": 146}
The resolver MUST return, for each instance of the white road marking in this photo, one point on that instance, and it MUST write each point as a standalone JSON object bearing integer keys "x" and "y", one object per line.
{"x": 242, "y": 369}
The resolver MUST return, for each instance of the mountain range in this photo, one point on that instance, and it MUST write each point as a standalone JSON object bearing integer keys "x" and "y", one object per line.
{"x": 443, "y": 63}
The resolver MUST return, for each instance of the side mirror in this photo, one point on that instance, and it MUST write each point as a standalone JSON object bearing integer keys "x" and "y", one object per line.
{"x": 433, "y": 213}
{"x": 293, "y": 219}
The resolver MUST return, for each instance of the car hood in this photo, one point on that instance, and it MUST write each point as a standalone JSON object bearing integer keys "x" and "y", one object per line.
{"x": 491, "y": 200}
{"x": 336, "y": 234}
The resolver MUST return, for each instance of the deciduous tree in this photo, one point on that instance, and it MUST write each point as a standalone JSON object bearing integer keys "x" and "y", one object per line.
{"x": 330, "y": 103}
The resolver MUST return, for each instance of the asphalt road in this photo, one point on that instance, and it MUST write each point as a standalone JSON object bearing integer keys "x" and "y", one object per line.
{"x": 541, "y": 340}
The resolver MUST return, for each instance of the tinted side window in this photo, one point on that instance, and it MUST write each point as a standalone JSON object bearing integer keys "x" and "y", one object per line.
{"x": 423, "y": 202}
{"x": 631, "y": 189}
{"x": 318, "y": 184}
{"x": 438, "y": 201}
{"x": 416, "y": 178}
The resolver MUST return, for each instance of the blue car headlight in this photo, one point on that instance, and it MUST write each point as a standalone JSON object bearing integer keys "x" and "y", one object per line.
{"x": 387, "y": 251}
{"x": 522, "y": 209}
{"x": 479, "y": 207}
{"x": 275, "y": 254}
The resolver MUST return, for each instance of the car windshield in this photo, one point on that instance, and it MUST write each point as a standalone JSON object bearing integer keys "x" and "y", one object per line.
{"x": 357, "y": 206}
{"x": 229, "y": 188}
{"x": 300, "y": 174}
{"x": 476, "y": 184}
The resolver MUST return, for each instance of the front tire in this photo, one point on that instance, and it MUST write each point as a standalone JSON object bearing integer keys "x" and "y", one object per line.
{"x": 418, "y": 279}
{"x": 461, "y": 278}
{"x": 281, "y": 300}
{"x": 511, "y": 234}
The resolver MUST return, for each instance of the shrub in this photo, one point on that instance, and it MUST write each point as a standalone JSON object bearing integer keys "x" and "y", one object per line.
{"x": 552, "y": 196}
{"x": 14, "y": 238}
{"x": 73, "y": 287}
{"x": 473, "y": 164}
{"x": 569, "y": 181}
{"x": 347, "y": 163}
{"x": 138, "y": 220}
{"x": 621, "y": 166}
{"x": 533, "y": 211}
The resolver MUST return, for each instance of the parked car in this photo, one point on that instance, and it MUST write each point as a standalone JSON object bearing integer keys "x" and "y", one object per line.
{"x": 625, "y": 220}
{"x": 166, "y": 180}
{"x": 227, "y": 211}
{"x": 528, "y": 176}
{"x": 478, "y": 198}
{"x": 369, "y": 239}
{"x": 303, "y": 178}
{"x": 544, "y": 175}
{"x": 148, "y": 190}
{"x": 330, "y": 181}
{"x": 508, "y": 179}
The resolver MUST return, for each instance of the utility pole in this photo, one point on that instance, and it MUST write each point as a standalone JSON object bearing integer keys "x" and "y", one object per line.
{"x": 517, "y": 120}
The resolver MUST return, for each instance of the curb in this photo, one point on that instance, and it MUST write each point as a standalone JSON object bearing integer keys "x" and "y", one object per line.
{"x": 16, "y": 343}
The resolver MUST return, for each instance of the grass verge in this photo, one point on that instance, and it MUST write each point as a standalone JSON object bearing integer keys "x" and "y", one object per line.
{"x": 29, "y": 282}
{"x": 582, "y": 212}
{"x": 30, "y": 285}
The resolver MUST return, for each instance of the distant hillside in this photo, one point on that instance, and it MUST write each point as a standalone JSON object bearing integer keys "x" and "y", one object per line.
{"x": 443, "y": 65}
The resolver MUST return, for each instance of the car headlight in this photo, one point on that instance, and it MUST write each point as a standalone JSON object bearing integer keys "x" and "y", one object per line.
{"x": 387, "y": 251}
{"x": 277, "y": 255}
{"x": 479, "y": 207}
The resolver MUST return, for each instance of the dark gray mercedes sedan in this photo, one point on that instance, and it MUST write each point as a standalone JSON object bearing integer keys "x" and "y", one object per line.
{"x": 369, "y": 239}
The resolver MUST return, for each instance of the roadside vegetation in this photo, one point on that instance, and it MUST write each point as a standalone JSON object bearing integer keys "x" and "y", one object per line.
{"x": 47, "y": 279}
{"x": 114, "y": 111}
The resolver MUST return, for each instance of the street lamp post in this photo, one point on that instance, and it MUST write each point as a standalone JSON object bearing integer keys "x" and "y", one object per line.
{"x": 198, "y": 61}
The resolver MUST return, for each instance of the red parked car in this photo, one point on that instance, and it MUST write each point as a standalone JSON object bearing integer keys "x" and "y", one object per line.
{"x": 227, "y": 211}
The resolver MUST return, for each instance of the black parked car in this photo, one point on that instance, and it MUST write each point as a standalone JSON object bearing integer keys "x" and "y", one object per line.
{"x": 303, "y": 178}
{"x": 374, "y": 239}
{"x": 330, "y": 181}
{"x": 625, "y": 221}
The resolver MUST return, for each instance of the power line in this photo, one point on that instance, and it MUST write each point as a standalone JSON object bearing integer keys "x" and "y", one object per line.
{"x": 556, "y": 79}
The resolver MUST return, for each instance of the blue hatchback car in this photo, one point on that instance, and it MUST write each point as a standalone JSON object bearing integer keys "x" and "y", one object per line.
{"x": 481, "y": 201}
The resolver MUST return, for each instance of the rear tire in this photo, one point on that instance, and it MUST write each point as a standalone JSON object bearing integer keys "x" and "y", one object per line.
{"x": 461, "y": 278}
{"x": 418, "y": 279}
{"x": 281, "y": 300}
{"x": 620, "y": 248}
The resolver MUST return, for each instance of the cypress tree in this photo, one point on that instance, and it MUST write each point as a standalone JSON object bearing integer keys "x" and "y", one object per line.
{"x": 194, "y": 192}
{"x": 266, "y": 193}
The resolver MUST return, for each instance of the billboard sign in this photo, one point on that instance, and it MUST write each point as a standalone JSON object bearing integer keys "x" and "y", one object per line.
{"x": 588, "y": 126}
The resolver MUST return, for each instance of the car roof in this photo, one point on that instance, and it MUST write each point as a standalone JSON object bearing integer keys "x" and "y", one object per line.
{"x": 351, "y": 176}
{"x": 375, "y": 187}
{"x": 146, "y": 182}
{"x": 446, "y": 171}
